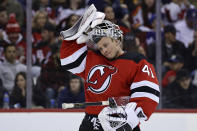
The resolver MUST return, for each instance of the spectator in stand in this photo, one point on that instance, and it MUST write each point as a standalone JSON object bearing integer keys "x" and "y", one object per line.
{"x": 42, "y": 49}
{"x": 170, "y": 46}
{"x": 3, "y": 23}
{"x": 186, "y": 27}
{"x": 10, "y": 67}
{"x": 13, "y": 35}
{"x": 44, "y": 5}
{"x": 151, "y": 34}
{"x": 18, "y": 95}
{"x": 132, "y": 44}
{"x": 176, "y": 63}
{"x": 39, "y": 20}
{"x": 109, "y": 13}
{"x": 131, "y": 4}
{"x": 38, "y": 98}
{"x": 52, "y": 78}
{"x": 3, "y": 18}
{"x": 142, "y": 15}
{"x": 191, "y": 55}
{"x": 180, "y": 93}
{"x": 13, "y": 6}
{"x": 73, "y": 93}
{"x": 130, "y": 41}
{"x": 122, "y": 17}
{"x": 2, "y": 91}
{"x": 13, "y": 27}
{"x": 175, "y": 11}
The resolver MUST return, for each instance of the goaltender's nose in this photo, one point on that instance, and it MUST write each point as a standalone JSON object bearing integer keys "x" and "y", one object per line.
{"x": 105, "y": 51}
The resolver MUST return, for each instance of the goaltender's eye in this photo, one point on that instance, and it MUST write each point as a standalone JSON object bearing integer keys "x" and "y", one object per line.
{"x": 105, "y": 45}
{"x": 100, "y": 49}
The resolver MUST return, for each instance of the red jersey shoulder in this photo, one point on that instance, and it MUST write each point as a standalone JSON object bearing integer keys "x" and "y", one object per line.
{"x": 145, "y": 69}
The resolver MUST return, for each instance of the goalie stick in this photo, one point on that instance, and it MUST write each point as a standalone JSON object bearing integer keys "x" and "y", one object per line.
{"x": 111, "y": 102}
{"x": 83, "y": 105}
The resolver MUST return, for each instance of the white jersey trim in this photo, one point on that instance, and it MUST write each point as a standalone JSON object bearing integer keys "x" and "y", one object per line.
{"x": 72, "y": 58}
{"x": 80, "y": 68}
{"x": 144, "y": 83}
{"x": 144, "y": 94}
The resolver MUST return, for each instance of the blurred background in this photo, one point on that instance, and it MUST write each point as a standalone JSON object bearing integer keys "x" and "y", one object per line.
{"x": 165, "y": 31}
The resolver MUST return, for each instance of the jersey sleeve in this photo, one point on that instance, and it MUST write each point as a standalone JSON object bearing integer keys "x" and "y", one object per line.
{"x": 73, "y": 57}
{"x": 145, "y": 88}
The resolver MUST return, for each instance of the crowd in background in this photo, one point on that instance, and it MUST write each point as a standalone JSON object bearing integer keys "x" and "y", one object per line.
{"x": 137, "y": 19}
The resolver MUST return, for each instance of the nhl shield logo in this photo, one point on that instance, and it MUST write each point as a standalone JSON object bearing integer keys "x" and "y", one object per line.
{"x": 99, "y": 78}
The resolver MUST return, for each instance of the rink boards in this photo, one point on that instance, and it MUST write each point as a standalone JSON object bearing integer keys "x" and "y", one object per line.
{"x": 69, "y": 120}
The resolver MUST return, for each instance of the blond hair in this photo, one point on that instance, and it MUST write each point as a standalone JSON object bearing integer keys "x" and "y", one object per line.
{"x": 36, "y": 17}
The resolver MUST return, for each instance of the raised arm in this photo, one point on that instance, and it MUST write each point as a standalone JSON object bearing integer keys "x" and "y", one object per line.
{"x": 73, "y": 57}
{"x": 73, "y": 51}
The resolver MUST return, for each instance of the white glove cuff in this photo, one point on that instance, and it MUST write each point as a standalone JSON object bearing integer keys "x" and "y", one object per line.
{"x": 82, "y": 39}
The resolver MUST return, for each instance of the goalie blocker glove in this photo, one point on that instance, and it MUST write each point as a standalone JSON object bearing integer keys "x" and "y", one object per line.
{"x": 112, "y": 119}
{"x": 90, "y": 19}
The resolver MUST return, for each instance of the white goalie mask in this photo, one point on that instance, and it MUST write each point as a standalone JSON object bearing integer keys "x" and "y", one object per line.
{"x": 105, "y": 29}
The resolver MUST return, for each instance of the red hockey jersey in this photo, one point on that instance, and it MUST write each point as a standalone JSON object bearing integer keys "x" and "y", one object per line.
{"x": 128, "y": 75}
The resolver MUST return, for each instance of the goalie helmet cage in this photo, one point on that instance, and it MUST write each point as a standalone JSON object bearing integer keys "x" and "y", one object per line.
{"x": 105, "y": 29}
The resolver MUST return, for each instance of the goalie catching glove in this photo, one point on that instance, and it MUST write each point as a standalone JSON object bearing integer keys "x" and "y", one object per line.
{"x": 90, "y": 19}
{"x": 115, "y": 118}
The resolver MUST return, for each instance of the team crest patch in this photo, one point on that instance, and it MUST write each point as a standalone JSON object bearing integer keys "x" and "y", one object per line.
{"x": 99, "y": 78}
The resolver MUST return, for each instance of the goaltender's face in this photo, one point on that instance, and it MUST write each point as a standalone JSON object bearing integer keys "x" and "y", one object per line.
{"x": 109, "y": 48}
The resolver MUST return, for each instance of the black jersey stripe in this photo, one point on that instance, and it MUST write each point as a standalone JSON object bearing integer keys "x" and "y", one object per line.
{"x": 75, "y": 63}
{"x": 146, "y": 89}
{"x": 136, "y": 57}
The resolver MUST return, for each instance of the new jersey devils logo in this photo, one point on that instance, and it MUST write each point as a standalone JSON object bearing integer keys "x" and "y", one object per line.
{"x": 99, "y": 78}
